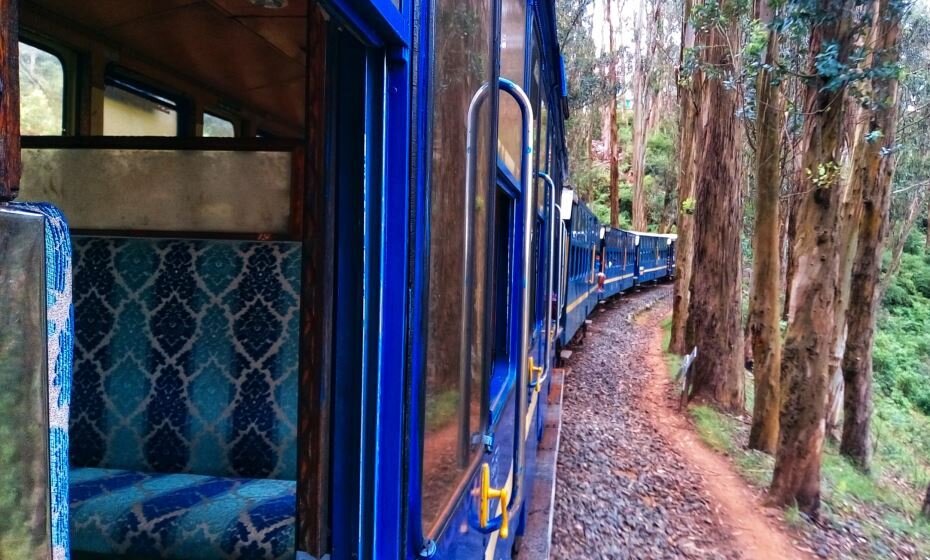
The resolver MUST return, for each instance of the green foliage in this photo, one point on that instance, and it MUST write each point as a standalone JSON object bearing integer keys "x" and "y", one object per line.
{"x": 902, "y": 340}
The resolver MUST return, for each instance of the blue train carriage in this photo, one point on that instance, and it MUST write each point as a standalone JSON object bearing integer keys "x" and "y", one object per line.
{"x": 655, "y": 256}
{"x": 618, "y": 258}
{"x": 581, "y": 283}
{"x": 491, "y": 356}
{"x": 232, "y": 199}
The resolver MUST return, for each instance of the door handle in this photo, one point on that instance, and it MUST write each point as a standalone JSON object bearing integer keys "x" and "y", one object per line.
{"x": 484, "y": 503}
{"x": 536, "y": 373}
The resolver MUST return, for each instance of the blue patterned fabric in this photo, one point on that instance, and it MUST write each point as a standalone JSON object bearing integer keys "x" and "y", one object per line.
{"x": 182, "y": 516}
{"x": 60, "y": 328}
{"x": 186, "y": 356}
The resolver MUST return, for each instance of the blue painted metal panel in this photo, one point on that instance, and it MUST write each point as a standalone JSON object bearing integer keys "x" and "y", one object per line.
{"x": 377, "y": 22}
{"x": 391, "y": 334}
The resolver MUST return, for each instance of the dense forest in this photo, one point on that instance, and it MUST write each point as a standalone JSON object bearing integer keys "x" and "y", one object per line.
{"x": 786, "y": 143}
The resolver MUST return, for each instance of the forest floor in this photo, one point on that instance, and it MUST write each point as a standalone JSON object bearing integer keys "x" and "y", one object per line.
{"x": 634, "y": 479}
{"x": 862, "y": 516}
{"x": 637, "y": 478}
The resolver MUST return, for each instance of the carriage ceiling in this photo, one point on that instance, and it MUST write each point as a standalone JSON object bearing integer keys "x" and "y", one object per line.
{"x": 251, "y": 55}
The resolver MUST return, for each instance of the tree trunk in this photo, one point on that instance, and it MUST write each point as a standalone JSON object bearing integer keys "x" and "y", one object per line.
{"x": 835, "y": 392}
{"x": 791, "y": 263}
{"x": 640, "y": 111}
{"x": 927, "y": 246}
{"x": 925, "y": 510}
{"x": 715, "y": 315}
{"x": 796, "y": 479}
{"x": 764, "y": 331}
{"x": 612, "y": 135}
{"x": 643, "y": 106}
{"x": 898, "y": 239}
{"x": 10, "y": 163}
{"x": 875, "y": 171}
{"x": 684, "y": 246}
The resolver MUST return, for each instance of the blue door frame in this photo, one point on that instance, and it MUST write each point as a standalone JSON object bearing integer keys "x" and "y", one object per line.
{"x": 369, "y": 85}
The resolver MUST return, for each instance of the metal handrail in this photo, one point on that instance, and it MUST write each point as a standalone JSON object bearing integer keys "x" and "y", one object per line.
{"x": 468, "y": 257}
{"x": 552, "y": 269}
{"x": 529, "y": 219}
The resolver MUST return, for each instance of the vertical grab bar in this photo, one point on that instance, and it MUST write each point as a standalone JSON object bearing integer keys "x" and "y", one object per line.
{"x": 526, "y": 184}
{"x": 527, "y": 178}
{"x": 552, "y": 269}
{"x": 468, "y": 259}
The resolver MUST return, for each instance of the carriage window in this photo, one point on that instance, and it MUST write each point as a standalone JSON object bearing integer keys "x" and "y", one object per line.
{"x": 455, "y": 354}
{"x": 131, "y": 111}
{"x": 218, "y": 127}
{"x": 513, "y": 52}
{"x": 42, "y": 92}
{"x": 103, "y": 188}
{"x": 542, "y": 142}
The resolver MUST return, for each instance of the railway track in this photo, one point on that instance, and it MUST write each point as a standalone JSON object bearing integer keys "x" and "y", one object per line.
{"x": 622, "y": 491}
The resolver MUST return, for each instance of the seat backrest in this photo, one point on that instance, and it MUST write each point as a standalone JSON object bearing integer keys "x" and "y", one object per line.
{"x": 186, "y": 356}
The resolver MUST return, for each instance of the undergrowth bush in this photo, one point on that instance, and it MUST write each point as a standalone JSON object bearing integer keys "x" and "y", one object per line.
{"x": 902, "y": 341}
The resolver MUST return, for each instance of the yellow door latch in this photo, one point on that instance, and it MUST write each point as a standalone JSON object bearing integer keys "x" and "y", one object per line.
{"x": 536, "y": 373}
{"x": 484, "y": 506}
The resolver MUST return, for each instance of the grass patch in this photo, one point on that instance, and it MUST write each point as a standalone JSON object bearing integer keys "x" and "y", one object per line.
{"x": 442, "y": 409}
{"x": 716, "y": 429}
{"x": 793, "y": 517}
{"x": 672, "y": 360}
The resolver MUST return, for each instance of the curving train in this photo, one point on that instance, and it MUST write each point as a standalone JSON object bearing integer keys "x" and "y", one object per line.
{"x": 602, "y": 262}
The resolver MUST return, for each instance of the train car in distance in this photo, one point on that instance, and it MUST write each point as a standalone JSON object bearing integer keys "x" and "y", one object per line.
{"x": 655, "y": 256}
{"x": 618, "y": 258}
{"x": 580, "y": 285}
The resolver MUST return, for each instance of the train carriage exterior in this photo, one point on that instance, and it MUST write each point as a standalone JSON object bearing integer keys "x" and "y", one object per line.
{"x": 618, "y": 258}
{"x": 655, "y": 256}
{"x": 581, "y": 287}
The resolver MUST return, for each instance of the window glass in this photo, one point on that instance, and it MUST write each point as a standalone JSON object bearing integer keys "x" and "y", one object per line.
{"x": 218, "y": 127}
{"x": 454, "y": 383}
{"x": 513, "y": 55}
{"x": 107, "y": 189}
{"x": 131, "y": 112}
{"x": 542, "y": 150}
{"x": 42, "y": 92}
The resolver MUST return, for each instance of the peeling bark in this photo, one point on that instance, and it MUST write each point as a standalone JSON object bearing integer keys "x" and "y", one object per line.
{"x": 715, "y": 318}
{"x": 684, "y": 247}
{"x": 763, "y": 323}
{"x": 796, "y": 479}
{"x": 614, "y": 161}
{"x": 875, "y": 170}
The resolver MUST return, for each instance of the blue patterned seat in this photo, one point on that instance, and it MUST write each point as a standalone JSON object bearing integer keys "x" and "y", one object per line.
{"x": 183, "y": 516}
{"x": 185, "y": 391}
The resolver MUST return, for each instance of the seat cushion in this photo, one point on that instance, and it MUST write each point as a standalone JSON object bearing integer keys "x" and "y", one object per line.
{"x": 181, "y": 516}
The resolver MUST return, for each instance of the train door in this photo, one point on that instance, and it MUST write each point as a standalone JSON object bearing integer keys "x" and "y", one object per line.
{"x": 475, "y": 202}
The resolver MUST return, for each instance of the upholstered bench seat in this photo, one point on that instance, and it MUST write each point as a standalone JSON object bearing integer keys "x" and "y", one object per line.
{"x": 181, "y": 516}
{"x": 184, "y": 409}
